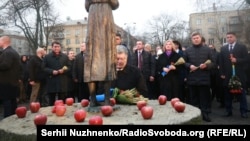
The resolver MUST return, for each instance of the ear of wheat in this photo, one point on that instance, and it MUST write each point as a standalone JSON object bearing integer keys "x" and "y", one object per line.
{"x": 179, "y": 61}
{"x": 207, "y": 62}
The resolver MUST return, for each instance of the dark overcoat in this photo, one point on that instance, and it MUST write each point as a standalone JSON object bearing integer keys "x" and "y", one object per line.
{"x": 240, "y": 53}
{"x": 56, "y": 83}
{"x": 10, "y": 73}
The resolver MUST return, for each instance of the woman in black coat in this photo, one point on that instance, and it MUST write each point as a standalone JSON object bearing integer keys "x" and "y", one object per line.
{"x": 169, "y": 80}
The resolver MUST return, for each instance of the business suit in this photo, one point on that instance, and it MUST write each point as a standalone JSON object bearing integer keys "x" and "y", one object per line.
{"x": 10, "y": 73}
{"x": 240, "y": 53}
{"x": 148, "y": 68}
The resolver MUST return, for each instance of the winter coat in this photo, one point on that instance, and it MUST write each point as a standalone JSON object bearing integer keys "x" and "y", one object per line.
{"x": 56, "y": 83}
{"x": 196, "y": 55}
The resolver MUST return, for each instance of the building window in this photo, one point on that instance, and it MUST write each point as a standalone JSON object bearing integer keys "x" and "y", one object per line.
{"x": 234, "y": 20}
{"x": 211, "y": 41}
{"x": 77, "y": 32}
{"x": 77, "y": 41}
{"x": 77, "y": 50}
{"x": 198, "y": 21}
{"x": 223, "y": 20}
{"x": 211, "y": 30}
{"x": 67, "y": 41}
{"x": 223, "y": 29}
{"x": 210, "y": 20}
{"x": 236, "y": 28}
{"x": 67, "y": 32}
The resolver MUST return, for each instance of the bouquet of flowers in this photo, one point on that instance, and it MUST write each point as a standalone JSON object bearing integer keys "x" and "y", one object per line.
{"x": 130, "y": 96}
{"x": 234, "y": 83}
{"x": 180, "y": 61}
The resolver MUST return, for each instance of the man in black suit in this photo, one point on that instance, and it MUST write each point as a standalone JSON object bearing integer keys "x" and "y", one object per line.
{"x": 146, "y": 64}
{"x": 236, "y": 55}
{"x": 10, "y": 71}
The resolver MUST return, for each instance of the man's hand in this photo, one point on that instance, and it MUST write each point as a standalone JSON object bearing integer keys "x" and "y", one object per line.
{"x": 32, "y": 83}
{"x": 203, "y": 66}
{"x": 193, "y": 68}
{"x": 55, "y": 72}
{"x": 60, "y": 71}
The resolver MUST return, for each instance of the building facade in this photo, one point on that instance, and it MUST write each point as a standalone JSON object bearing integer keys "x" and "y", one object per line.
{"x": 70, "y": 34}
{"x": 73, "y": 32}
{"x": 214, "y": 23}
{"x": 18, "y": 42}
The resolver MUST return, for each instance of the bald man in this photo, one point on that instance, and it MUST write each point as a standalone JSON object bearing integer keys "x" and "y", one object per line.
{"x": 37, "y": 77}
{"x": 10, "y": 71}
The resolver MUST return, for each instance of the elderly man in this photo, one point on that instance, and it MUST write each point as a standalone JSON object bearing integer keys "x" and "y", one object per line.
{"x": 128, "y": 76}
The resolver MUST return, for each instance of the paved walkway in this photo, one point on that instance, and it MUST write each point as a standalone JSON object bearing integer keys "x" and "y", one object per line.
{"x": 218, "y": 119}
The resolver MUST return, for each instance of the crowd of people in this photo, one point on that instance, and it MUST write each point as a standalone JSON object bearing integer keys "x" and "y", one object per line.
{"x": 196, "y": 75}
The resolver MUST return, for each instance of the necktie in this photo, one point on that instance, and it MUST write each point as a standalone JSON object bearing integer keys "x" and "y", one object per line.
{"x": 230, "y": 48}
{"x": 140, "y": 60}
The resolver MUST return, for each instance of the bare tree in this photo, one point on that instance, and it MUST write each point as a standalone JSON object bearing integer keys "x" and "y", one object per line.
{"x": 165, "y": 27}
{"x": 31, "y": 17}
{"x": 204, "y": 4}
{"x": 243, "y": 9}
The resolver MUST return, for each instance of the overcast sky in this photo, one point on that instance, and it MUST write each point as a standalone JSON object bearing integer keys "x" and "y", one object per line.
{"x": 131, "y": 11}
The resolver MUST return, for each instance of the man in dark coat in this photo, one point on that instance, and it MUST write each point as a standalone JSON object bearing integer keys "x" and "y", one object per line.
{"x": 199, "y": 61}
{"x": 56, "y": 65}
{"x": 37, "y": 77}
{"x": 128, "y": 76}
{"x": 237, "y": 56}
{"x": 77, "y": 73}
{"x": 10, "y": 74}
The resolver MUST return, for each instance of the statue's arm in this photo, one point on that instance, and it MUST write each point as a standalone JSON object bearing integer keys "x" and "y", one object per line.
{"x": 114, "y": 4}
{"x": 87, "y": 4}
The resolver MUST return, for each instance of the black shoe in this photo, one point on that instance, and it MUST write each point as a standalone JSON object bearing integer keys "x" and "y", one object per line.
{"x": 244, "y": 115}
{"x": 228, "y": 114}
{"x": 206, "y": 118}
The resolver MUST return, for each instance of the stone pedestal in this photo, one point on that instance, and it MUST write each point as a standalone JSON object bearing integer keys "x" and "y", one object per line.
{"x": 23, "y": 129}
